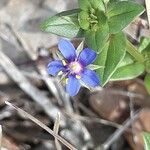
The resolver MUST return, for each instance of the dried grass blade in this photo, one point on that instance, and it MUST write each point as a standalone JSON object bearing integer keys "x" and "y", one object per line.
{"x": 39, "y": 123}
{"x": 0, "y": 137}
{"x": 56, "y": 130}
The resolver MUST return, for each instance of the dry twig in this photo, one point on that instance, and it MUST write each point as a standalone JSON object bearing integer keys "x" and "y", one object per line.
{"x": 56, "y": 129}
{"x": 120, "y": 131}
{"x": 27, "y": 87}
{"x": 0, "y": 137}
{"x": 63, "y": 141}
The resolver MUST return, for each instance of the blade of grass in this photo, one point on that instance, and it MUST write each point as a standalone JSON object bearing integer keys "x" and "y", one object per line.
{"x": 39, "y": 123}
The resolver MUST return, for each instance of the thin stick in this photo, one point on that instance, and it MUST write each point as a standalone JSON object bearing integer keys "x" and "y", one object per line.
{"x": 39, "y": 123}
{"x": 128, "y": 94}
{"x": 131, "y": 106}
{"x": 56, "y": 130}
{"x": 37, "y": 95}
{"x": 119, "y": 132}
{"x": 0, "y": 137}
{"x": 94, "y": 119}
{"x": 147, "y": 2}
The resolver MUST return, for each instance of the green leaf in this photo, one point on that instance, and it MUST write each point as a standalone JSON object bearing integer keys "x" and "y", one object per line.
{"x": 80, "y": 48}
{"x": 111, "y": 55}
{"x": 147, "y": 82}
{"x": 146, "y": 137}
{"x": 129, "y": 67}
{"x": 101, "y": 37}
{"x": 127, "y": 60}
{"x": 128, "y": 72}
{"x": 133, "y": 51}
{"x": 146, "y": 55}
{"x": 94, "y": 67}
{"x": 97, "y": 39}
{"x": 106, "y": 1}
{"x": 83, "y": 20}
{"x": 90, "y": 38}
{"x": 88, "y": 4}
{"x": 84, "y": 4}
{"x": 120, "y": 14}
{"x": 63, "y": 24}
{"x": 144, "y": 44}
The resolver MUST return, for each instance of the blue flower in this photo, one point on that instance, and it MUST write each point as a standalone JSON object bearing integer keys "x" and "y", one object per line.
{"x": 74, "y": 67}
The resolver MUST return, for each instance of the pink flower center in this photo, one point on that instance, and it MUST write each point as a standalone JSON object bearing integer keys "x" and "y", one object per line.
{"x": 75, "y": 67}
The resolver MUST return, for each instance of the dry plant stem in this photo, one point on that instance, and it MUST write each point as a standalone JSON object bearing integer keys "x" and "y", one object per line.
{"x": 123, "y": 93}
{"x": 21, "y": 44}
{"x": 148, "y": 10}
{"x": 63, "y": 141}
{"x": 27, "y": 87}
{"x": 96, "y": 119}
{"x": 128, "y": 94}
{"x": 37, "y": 95}
{"x": 0, "y": 137}
{"x": 56, "y": 130}
{"x": 86, "y": 110}
{"x": 119, "y": 132}
{"x": 66, "y": 98}
{"x": 131, "y": 105}
{"x": 52, "y": 85}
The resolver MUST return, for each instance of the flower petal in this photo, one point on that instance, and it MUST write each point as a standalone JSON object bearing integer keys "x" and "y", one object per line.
{"x": 73, "y": 85}
{"x": 90, "y": 78}
{"x": 87, "y": 56}
{"x": 67, "y": 49}
{"x": 54, "y": 67}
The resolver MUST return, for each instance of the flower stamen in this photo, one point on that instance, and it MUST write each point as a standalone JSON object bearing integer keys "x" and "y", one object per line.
{"x": 75, "y": 67}
{"x": 64, "y": 62}
{"x": 78, "y": 77}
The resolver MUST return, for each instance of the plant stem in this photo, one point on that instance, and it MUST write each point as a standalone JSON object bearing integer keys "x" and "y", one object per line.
{"x": 132, "y": 50}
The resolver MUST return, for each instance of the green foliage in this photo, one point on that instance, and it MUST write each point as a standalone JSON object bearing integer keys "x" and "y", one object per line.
{"x": 130, "y": 67}
{"x": 146, "y": 137}
{"x": 144, "y": 44}
{"x": 147, "y": 82}
{"x": 94, "y": 67}
{"x": 111, "y": 56}
{"x": 87, "y": 5}
{"x": 145, "y": 50}
{"x": 97, "y": 39}
{"x": 121, "y": 13}
{"x": 128, "y": 72}
{"x": 63, "y": 24}
{"x": 132, "y": 50}
{"x": 101, "y": 23}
